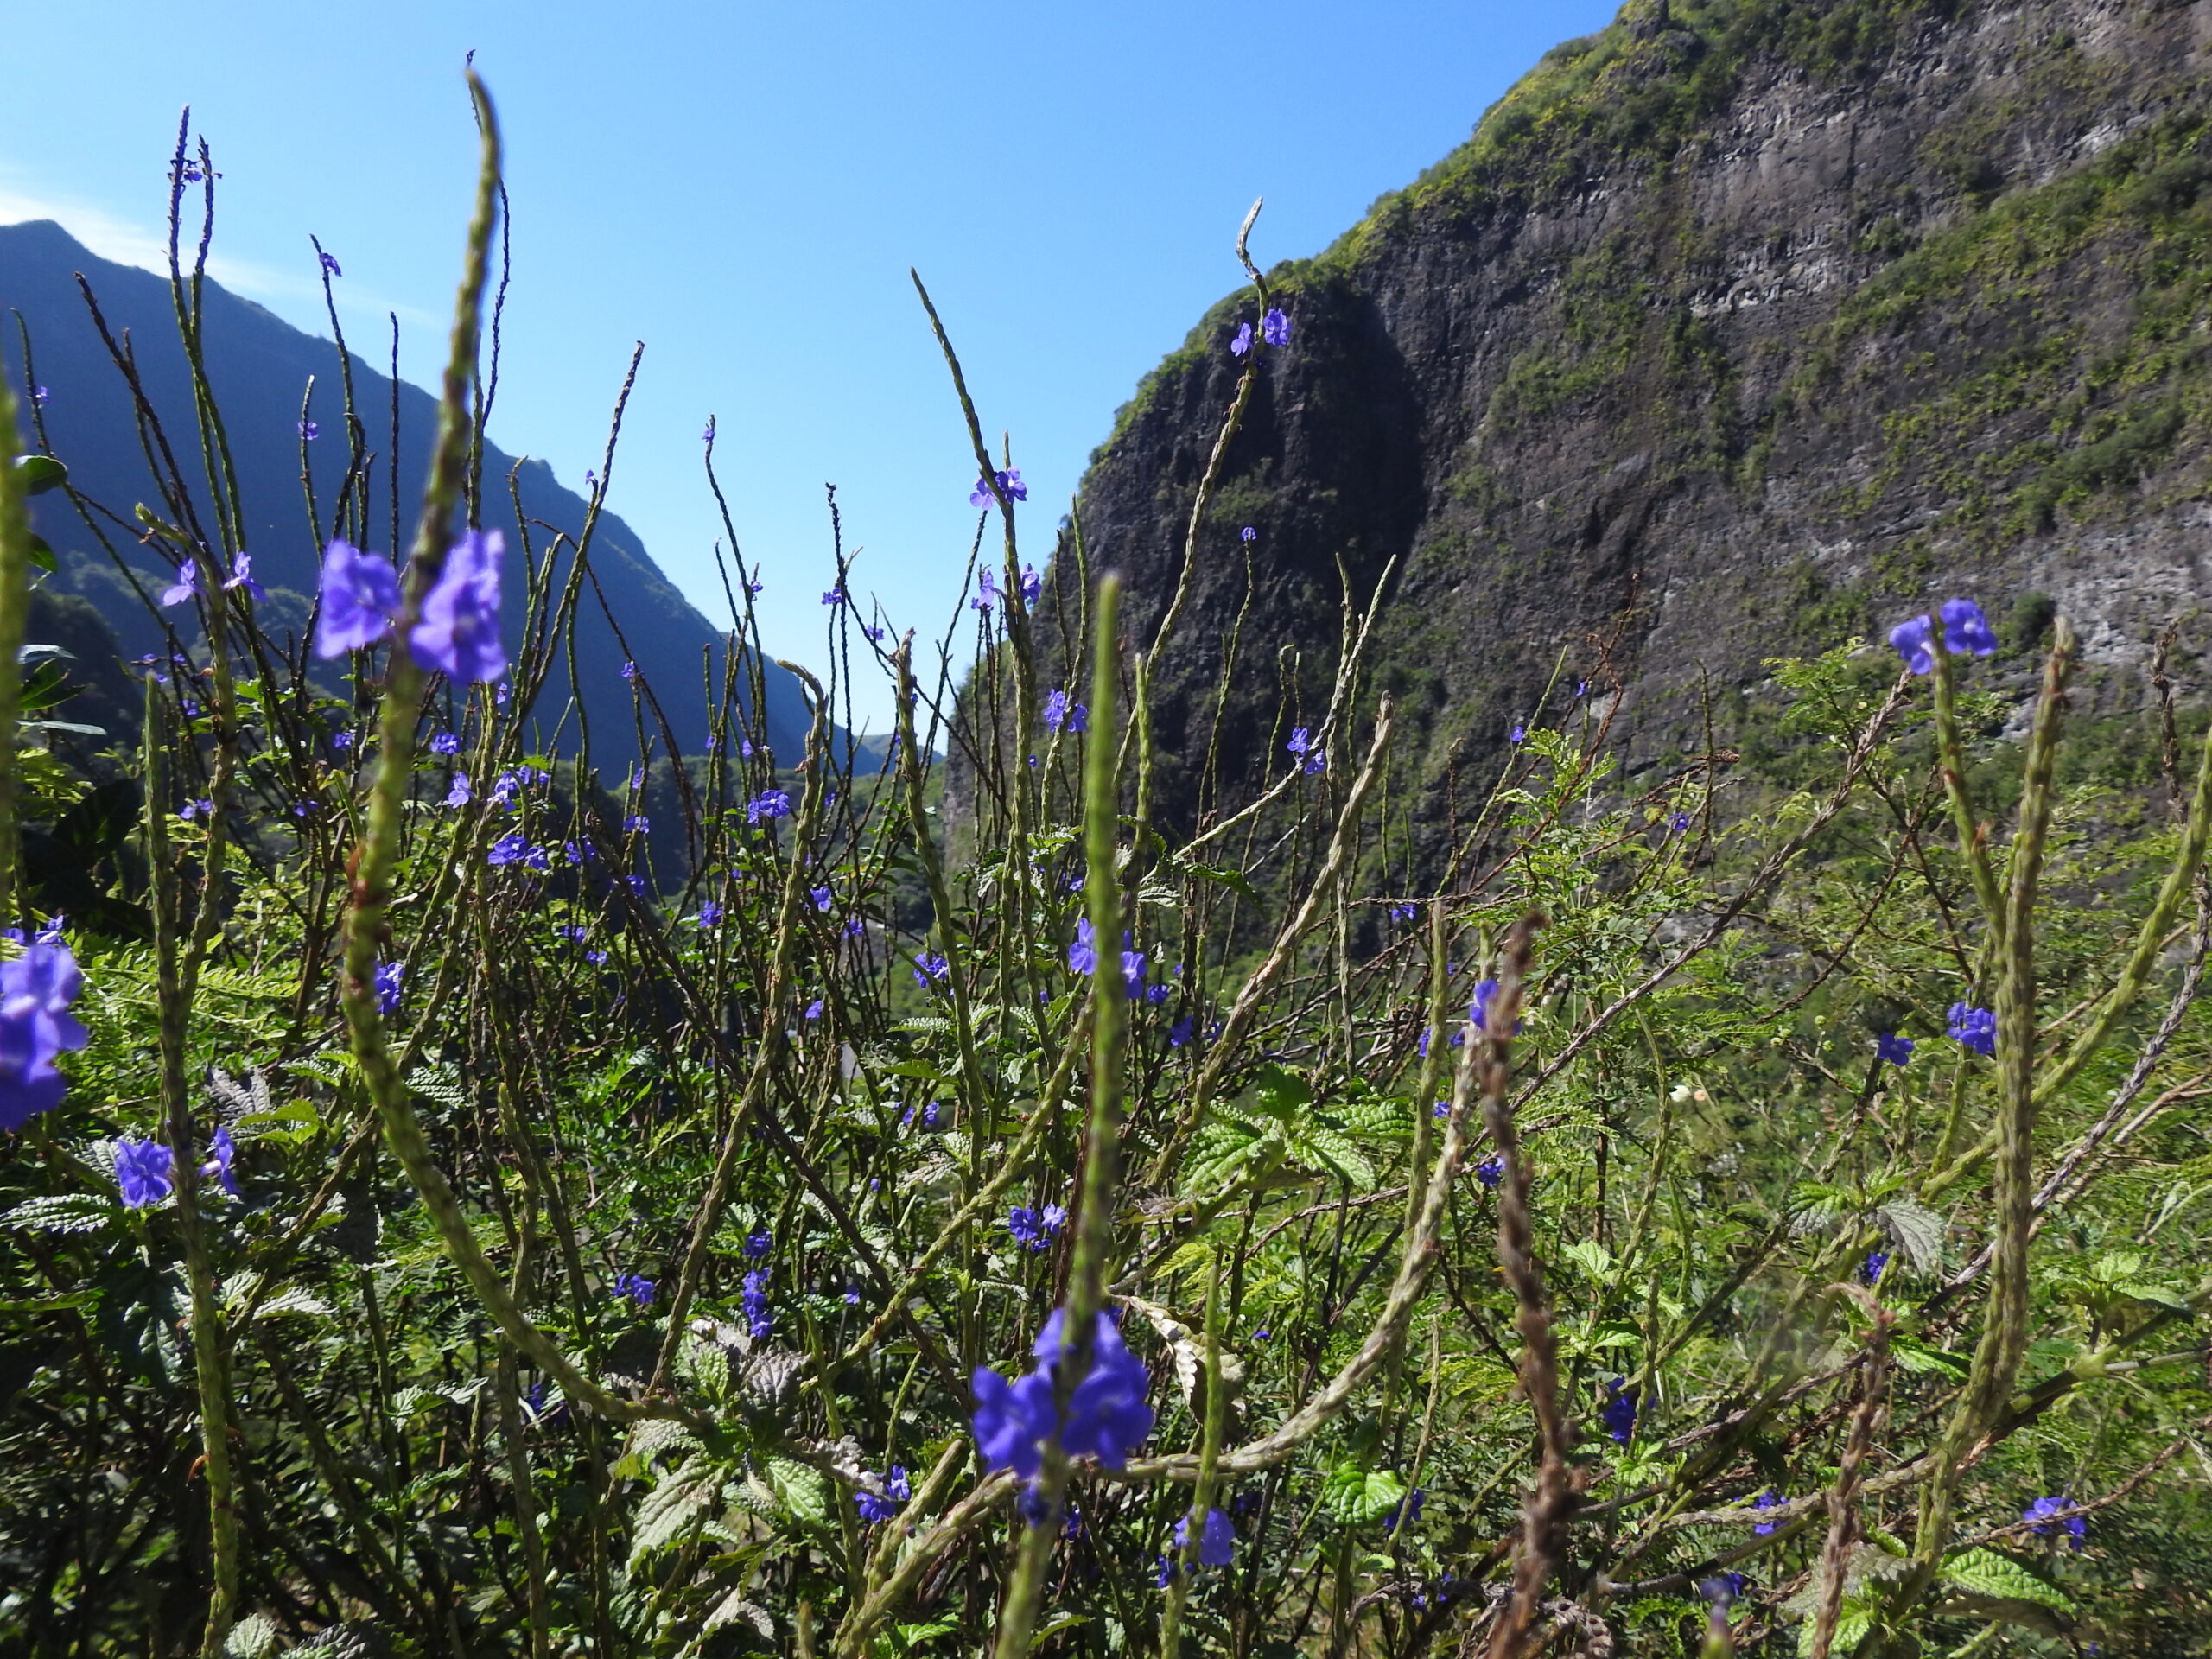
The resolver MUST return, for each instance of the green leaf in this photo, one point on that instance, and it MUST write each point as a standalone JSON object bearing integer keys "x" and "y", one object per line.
{"x": 62, "y": 1212}
{"x": 1592, "y": 1257}
{"x": 1919, "y": 1357}
{"x": 800, "y": 1490}
{"x": 1337, "y": 1152}
{"x": 1283, "y": 1096}
{"x": 45, "y": 686}
{"x": 672, "y": 1505}
{"x": 1236, "y": 880}
{"x": 2163, "y": 1295}
{"x": 42, "y": 555}
{"x": 1985, "y": 1572}
{"x": 40, "y": 474}
{"x": 1357, "y": 1495}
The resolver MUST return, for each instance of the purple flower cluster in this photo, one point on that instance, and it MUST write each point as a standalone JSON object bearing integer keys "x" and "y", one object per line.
{"x": 1009, "y": 483}
{"x": 1106, "y": 1417}
{"x": 143, "y": 1170}
{"x": 1974, "y": 1027}
{"x": 36, "y": 1025}
{"x": 1035, "y": 1228}
{"x": 1063, "y": 713}
{"x": 930, "y": 970}
{"x": 1275, "y": 328}
{"x": 1965, "y": 629}
{"x": 882, "y": 1506}
{"x": 388, "y": 978}
{"x": 1618, "y": 1413}
{"x": 2044, "y": 1508}
{"x": 1769, "y": 1499}
{"x": 458, "y": 632}
{"x": 1312, "y": 761}
{"x": 768, "y": 804}
{"x": 755, "y": 1297}
{"x": 1217, "y": 1539}
{"x": 1876, "y": 1262}
{"x": 636, "y": 1287}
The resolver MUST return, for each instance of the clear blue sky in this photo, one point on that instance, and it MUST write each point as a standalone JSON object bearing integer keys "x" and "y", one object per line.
{"x": 742, "y": 187}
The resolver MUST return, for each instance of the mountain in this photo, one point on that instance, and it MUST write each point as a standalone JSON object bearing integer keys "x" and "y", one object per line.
{"x": 1735, "y": 329}
{"x": 260, "y": 367}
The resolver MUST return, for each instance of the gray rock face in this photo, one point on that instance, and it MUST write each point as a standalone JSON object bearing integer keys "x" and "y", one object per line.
{"x": 1732, "y": 333}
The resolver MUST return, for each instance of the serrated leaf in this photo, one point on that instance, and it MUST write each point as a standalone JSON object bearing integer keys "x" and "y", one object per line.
{"x": 253, "y": 1636}
{"x": 1851, "y": 1630}
{"x": 1355, "y": 1497}
{"x": 671, "y": 1508}
{"x": 800, "y": 1490}
{"x": 1318, "y": 1144}
{"x": 1985, "y": 1572}
{"x": 734, "y": 1606}
{"x": 63, "y": 1213}
{"x": 2163, "y": 1295}
{"x": 294, "y": 1301}
{"x": 1918, "y": 1231}
{"x": 1914, "y": 1356}
{"x": 1236, "y": 880}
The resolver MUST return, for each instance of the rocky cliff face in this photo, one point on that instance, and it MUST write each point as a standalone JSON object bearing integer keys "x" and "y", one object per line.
{"x": 1736, "y": 329}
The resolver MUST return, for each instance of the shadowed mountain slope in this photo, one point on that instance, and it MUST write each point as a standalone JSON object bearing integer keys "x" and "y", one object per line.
{"x": 260, "y": 367}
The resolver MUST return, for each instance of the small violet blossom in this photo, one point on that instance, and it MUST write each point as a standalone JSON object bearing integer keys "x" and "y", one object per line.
{"x": 458, "y": 633}
{"x": 1965, "y": 629}
{"x": 1891, "y": 1048}
{"x": 1974, "y": 1027}
{"x": 360, "y": 595}
{"x": 143, "y": 1171}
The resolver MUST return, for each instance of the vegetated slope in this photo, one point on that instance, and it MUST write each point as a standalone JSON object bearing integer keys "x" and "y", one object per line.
{"x": 1735, "y": 329}
{"x": 260, "y": 366}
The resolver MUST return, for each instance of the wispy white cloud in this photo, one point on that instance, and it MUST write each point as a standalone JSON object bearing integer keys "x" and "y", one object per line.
{"x": 297, "y": 295}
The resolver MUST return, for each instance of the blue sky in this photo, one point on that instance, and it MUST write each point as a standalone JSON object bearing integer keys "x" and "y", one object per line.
{"x": 742, "y": 187}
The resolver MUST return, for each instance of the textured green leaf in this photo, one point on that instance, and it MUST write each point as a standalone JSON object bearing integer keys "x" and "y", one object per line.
{"x": 800, "y": 1490}
{"x": 40, "y": 474}
{"x": 1356, "y": 1495}
{"x": 63, "y": 1213}
{"x": 1985, "y": 1572}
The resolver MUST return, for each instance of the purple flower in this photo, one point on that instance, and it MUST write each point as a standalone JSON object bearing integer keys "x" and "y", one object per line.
{"x": 1032, "y": 585}
{"x": 201, "y": 809}
{"x": 1975, "y": 1027}
{"x": 637, "y": 824}
{"x": 874, "y": 1507}
{"x": 360, "y": 595}
{"x": 1217, "y": 1539}
{"x": 1441, "y": 1109}
{"x": 835, "y": 596}
{"x": 329, "y": 263}
{"x": 1010, "y": 481}
{"x": 459, "y": 633}
{"x": 709, "y": 912}
{"x": 708, "y": 436}
{"x": 1677, "y": 822}
{"x": 856, "y": 926}
{"x": 1965, "y": 629}
{"x": 637, "y": 1289}
{"x": 1877, "y": 1261}
{"x": 310, "y": 430}
{"x": 757, "y": 1245}
{"x": 461, "y": 794}
{"x": 1490, "y": 1171}
{"x": 1404, "y": 912}
{"x": 1248, "y": 534}
{"x": 510, "y": 848}
{"x": 1106, "y": 1416}
{"x": 986, "y": 592}
{"x": 852, "y": 1296}
{"x": 1243, "y": 342}
{"x": 1034, "y": 1229}
{"x": 1132, "y": 970}
{"x": 185, "y": 589}
{"x": 242, "y": 577}
{"x": 1274, "y": 328}
{"x": 142, "y": 1169}
{"x": 1618, "y": 1413}
{"x": 1888, "y": 1046}
{"x": 388, "y": 978}
{"x": 755, "y": 1299}
{"x": 1179, "y": 1034}
{"x": 1518, "y": 733}
{"x": 39, "y": 394}
{"x": 1083, "y": 954}
{"x": 814, "y": 1009}
{"x": 35, "y": 1024}
{"x": 444, "y": 743}
{"x": 931, "y": 969}
{"x": 823, "y": 898}
{"x": 2044, "y": 1508}
{"x": 1767, "y": 1500}
{"x": 1409, "y": 1512}
{"x": 1478, "y": 1010}
{"x": 224, "y": 1150}
{"x": 769, "y": 804}
{"x": 629, "y": 670}
{"x": 1063, "y": 713}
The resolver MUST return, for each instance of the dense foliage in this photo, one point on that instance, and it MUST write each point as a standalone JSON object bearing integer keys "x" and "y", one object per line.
{"x": 1733, "y": 1213}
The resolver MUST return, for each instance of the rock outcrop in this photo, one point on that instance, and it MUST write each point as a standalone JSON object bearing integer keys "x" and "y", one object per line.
{"x": 1735, "y": 330}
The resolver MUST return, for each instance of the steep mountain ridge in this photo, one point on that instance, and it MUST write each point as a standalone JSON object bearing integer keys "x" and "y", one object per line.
{"x": 260, "y": 367}
{"x": 1735, "y": 329}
